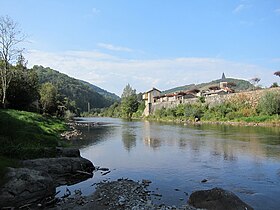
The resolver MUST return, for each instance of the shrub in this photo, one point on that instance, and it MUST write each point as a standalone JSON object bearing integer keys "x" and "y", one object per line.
{"x": 194, "y": 111}
{"x": 270, "y": 103}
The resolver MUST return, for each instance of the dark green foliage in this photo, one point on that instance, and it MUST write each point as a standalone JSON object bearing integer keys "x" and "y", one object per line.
{"x": 109, "y": 96}
{"x": 140, "y": 108}
{"x": 73, "y": 89}
{"x": 23, "y": 89}
{"x": 270, "y": 103}
{"x": 275, "y": 84}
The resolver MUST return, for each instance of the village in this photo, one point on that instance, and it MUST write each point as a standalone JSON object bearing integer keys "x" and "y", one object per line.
{"x": 156, "y": 97}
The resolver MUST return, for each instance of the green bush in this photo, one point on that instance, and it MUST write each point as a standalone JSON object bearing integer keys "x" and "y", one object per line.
{"x": 269, "y": 104}
{"x": 194, "y": 111}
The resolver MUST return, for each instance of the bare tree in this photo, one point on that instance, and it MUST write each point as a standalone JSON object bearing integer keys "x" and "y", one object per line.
{"x": 10, "y": 38}
{"x": 255, "y": 81}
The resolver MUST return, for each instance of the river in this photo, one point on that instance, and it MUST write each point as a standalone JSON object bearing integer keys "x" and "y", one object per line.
{"x": 176, "y": 158}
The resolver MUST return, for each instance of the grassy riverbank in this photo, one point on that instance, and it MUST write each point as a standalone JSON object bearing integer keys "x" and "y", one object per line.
{"x": 238, "y": 109}
{"x": 27, "y": 135}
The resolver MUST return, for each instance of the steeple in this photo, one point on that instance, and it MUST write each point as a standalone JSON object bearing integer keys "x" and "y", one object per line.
{"x": 223, "y": 77}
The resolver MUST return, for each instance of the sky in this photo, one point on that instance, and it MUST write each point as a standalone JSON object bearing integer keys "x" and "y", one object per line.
{"x": 151, "y": 43}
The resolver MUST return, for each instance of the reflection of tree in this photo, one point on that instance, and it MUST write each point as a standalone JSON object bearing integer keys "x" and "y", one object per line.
{"x": 128, "y": 138}
{"x": 92, "y": 135}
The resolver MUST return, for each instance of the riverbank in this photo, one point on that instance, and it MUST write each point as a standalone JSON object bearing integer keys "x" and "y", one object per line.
{"x": 201, "y": 122}
{"x": 126, "y": 194}
{"x": 25, "y": 135}
{"x": 34, "y": 182}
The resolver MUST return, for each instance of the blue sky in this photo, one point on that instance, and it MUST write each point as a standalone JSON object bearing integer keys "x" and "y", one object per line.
{"x": 151, "y": 42}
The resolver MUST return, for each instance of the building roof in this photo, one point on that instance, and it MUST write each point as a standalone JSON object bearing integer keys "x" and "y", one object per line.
{"x": 153, "y": 90}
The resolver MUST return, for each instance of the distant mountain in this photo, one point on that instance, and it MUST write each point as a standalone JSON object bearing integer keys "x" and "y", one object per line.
{"x": 76, "y": 90}
{"x": 110, "y": 96}
{"x": 241, "y": 85}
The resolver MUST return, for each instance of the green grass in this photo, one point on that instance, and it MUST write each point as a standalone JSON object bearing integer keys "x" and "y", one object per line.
{"x": 26, "y": 135}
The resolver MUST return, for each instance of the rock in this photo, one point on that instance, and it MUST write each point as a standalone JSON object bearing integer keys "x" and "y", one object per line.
{"x": 25, "y": 185}
{"x": 217, "y": 199}
{"x": 67, "y": 152}
{"x": 204, "y": 180}
{"x": 62, "y": 170}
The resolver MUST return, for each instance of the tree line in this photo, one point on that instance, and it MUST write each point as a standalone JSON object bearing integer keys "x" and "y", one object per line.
{"x": 130, "y": 106}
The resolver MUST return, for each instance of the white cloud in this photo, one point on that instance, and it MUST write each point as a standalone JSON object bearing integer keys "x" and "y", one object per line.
{"x": 113, "y": 47}
{"x": 112, "y": 73}
{"x": 240, "y": 8}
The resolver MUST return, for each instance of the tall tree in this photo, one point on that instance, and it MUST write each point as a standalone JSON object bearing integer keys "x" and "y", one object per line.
{"x": 10, "y": 38}
{"x": 129, "y": 102}
{"x": 24, "y": 88}
{"x": 48, "y": 98}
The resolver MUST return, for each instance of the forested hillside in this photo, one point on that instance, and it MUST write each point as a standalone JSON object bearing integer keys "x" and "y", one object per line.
{"x": 240, "y": 85}
{"x": 75, "y": 90}
{"x": 110, "y": 96}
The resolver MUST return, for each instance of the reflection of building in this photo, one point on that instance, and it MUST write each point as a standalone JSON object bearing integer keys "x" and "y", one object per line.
{"x": 148, "y": 140}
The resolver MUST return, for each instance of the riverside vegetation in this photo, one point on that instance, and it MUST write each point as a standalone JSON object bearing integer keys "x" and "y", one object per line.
{"x": 238, "y": 109}
{"x": 25, "y": 135}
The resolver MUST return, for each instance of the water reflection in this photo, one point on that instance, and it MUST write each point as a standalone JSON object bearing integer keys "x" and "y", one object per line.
{"x": 259, "y": 140}
{"x": 148, "y": 137}
{"x": 93, "y": 135}
{"x": 128, "y": 137}
{"x": 245, "y": 160}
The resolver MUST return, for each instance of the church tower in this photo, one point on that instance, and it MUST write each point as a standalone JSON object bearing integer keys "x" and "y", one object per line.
{"x": 223, "y": 77}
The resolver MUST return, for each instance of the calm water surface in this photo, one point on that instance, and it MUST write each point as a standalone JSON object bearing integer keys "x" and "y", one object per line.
{"x": 244, "y": 160}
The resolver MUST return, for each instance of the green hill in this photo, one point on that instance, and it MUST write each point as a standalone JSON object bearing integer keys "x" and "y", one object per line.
{"x": 110, "y": 96}
{"x": 241, "y": 85}
{"x": 76, "y": 90}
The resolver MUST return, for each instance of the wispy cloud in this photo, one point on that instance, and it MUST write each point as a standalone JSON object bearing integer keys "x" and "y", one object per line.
{"x": 113, "y": 47}
{"x": 91, "y": 13}
{"x": 277, "y": 11}
{"x": 95, "y": 10}
{"x": 113, "y": 73}
{"x": 240, "y": 8}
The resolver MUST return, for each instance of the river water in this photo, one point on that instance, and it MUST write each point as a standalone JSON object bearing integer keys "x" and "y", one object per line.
{"x": 176, "y": 158}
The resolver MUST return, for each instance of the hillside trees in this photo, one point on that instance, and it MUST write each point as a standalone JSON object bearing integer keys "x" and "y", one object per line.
{"x": 75, "y": 90}
{"x": 24, "y": 87}
{"x": 10, "y": 38}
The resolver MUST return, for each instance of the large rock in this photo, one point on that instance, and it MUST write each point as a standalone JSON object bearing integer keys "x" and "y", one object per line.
{"x": 63, "y": 170}
{"x": 217, "y": 199}
{"x": 25, "y": 186}
{"x": 67, "y": 152}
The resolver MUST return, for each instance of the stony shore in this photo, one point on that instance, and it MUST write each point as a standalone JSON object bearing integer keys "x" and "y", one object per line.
{"x": 35, "y": 181}
{"x": 125, "y": 194}
{"x": 33, "y": 187}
